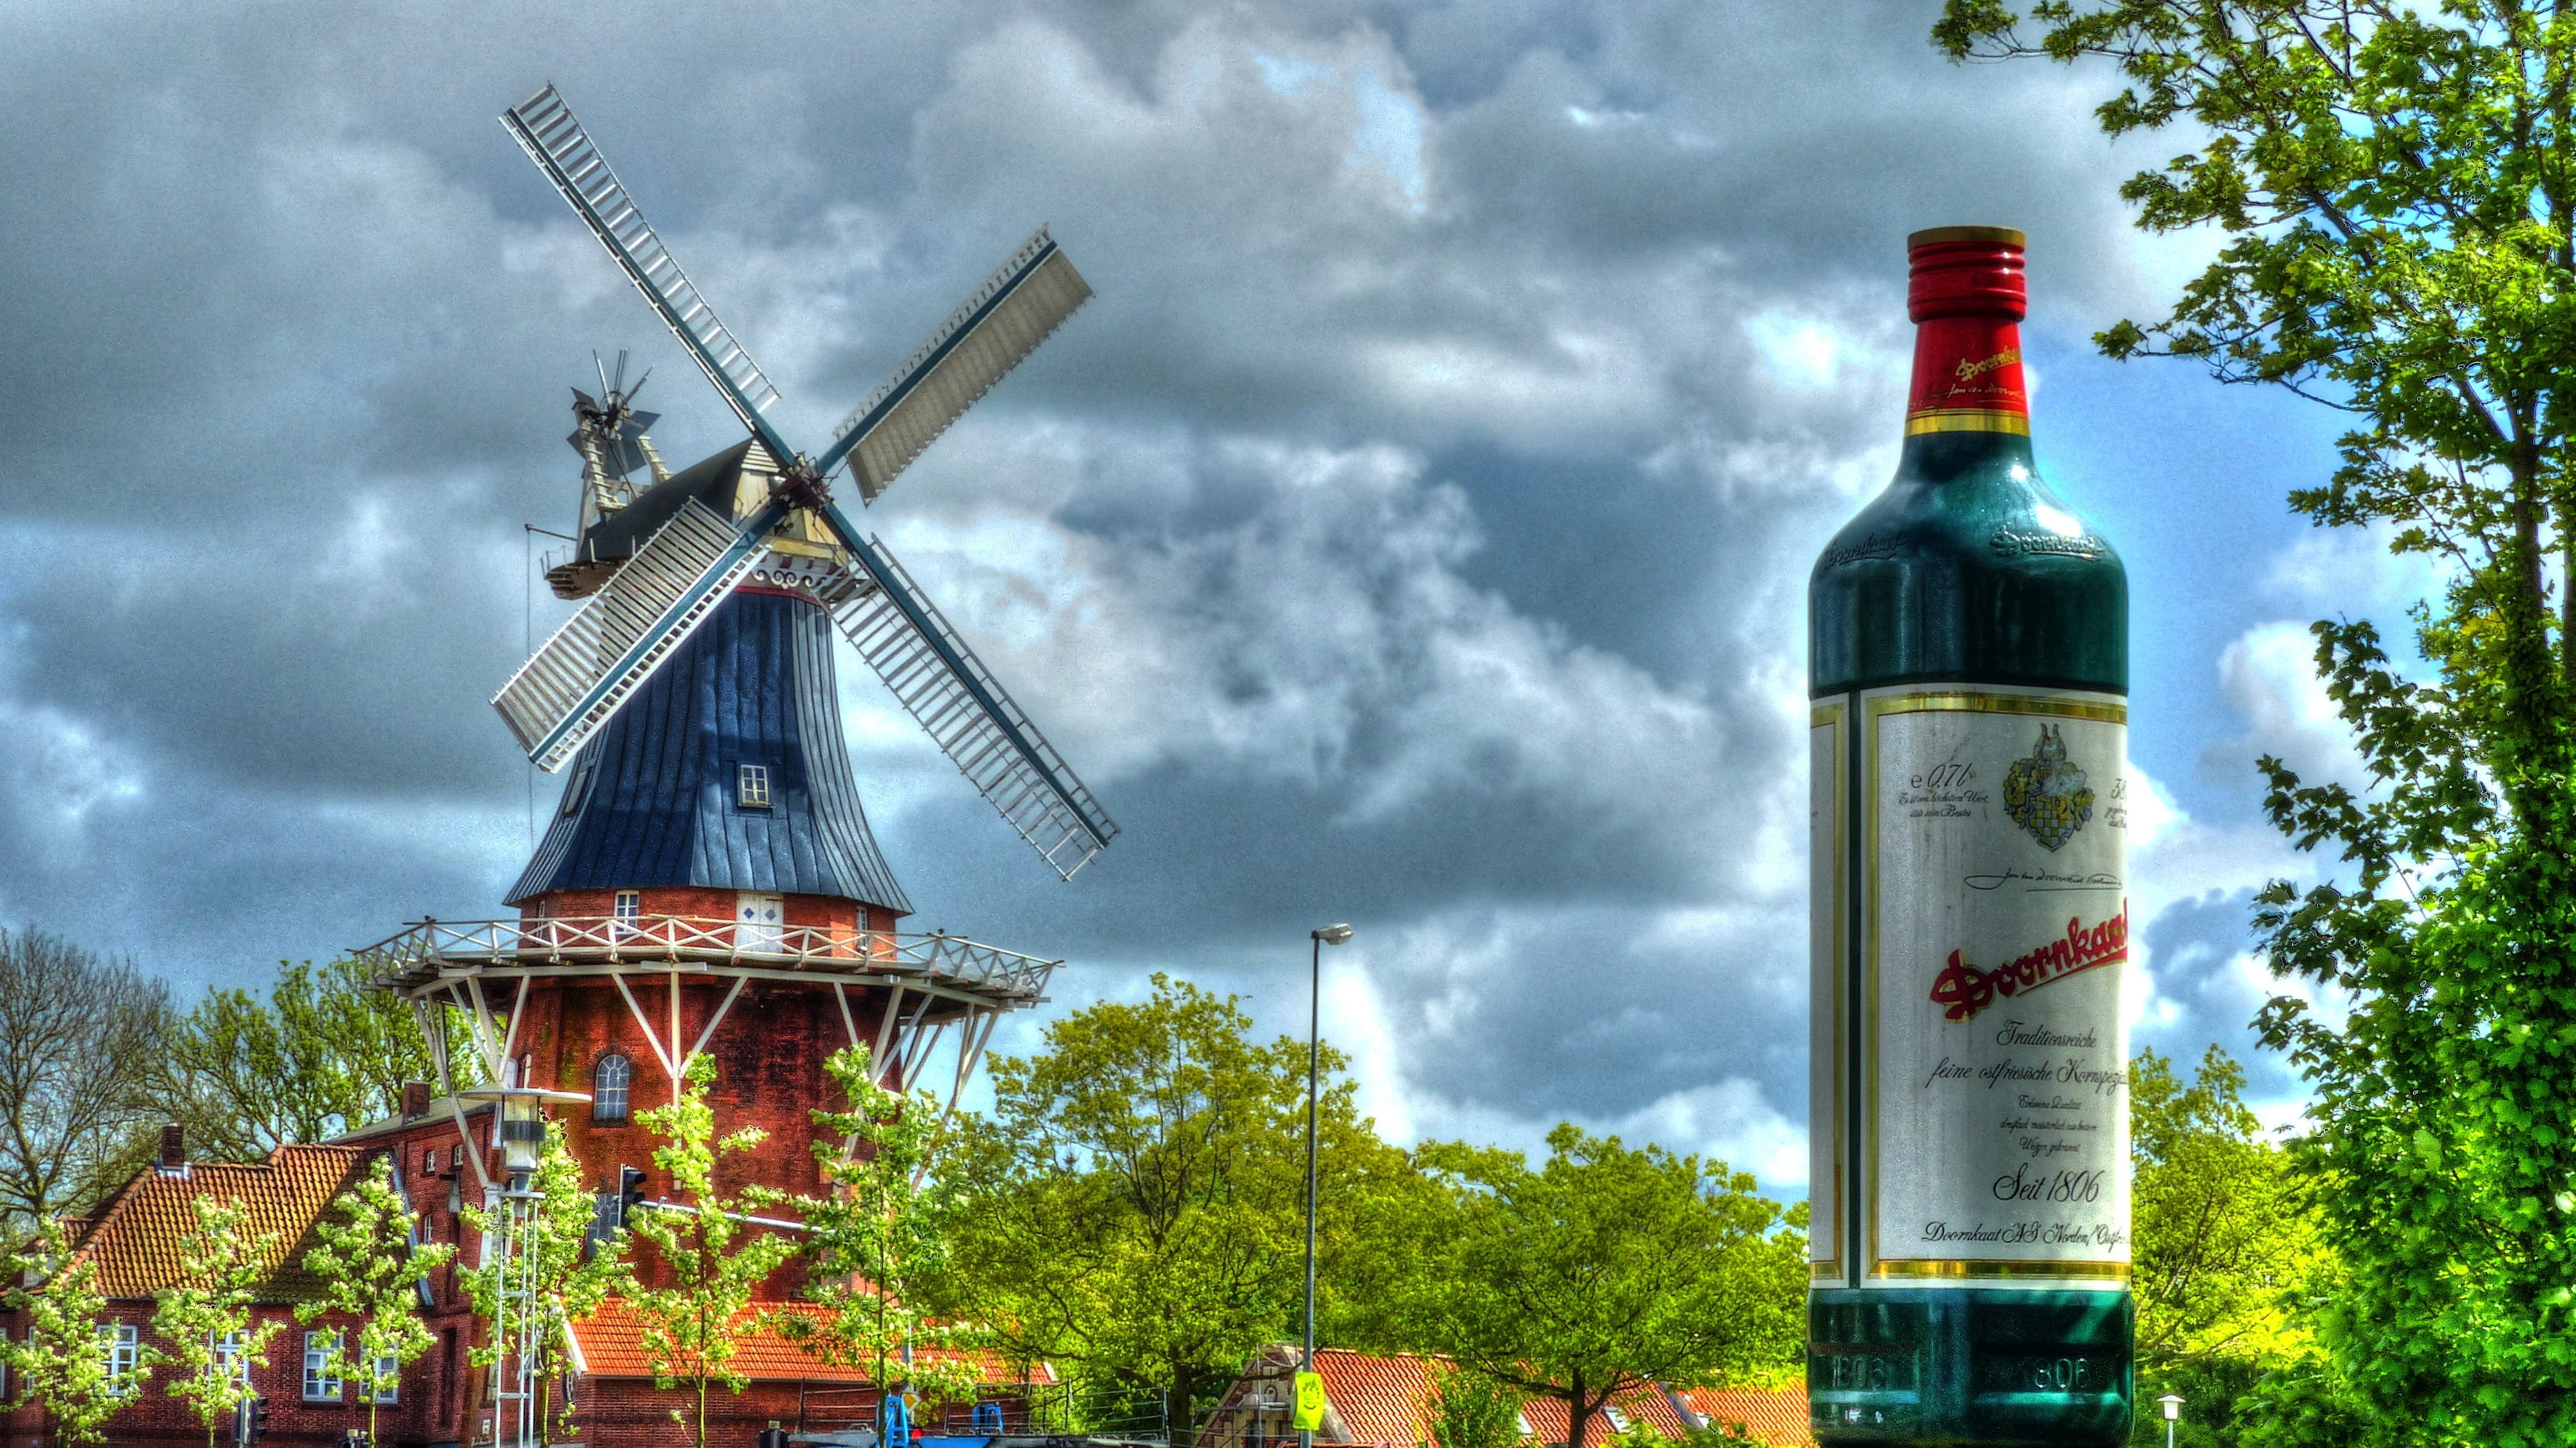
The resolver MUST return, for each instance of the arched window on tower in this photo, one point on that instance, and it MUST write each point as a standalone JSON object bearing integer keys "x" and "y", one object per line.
{"x": 608, "y": 1082}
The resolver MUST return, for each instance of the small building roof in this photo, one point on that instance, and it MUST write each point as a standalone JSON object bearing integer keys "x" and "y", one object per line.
{"x": 1389, "y": 1400}
{"x": 611, "y": 1341}
{"x": 135, "y": 1240}
{"x": 1772, "y": 1415}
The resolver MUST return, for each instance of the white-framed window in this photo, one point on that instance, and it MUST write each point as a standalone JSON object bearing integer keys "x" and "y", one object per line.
{"x": 233, "y": 1351}
{"x": 388, "y": 1379}
{"x": 630, "y": 903}
{"x": 321, "y": 1385}
{"x": 120, "y": 1347}
{"x": 608, "y": 1082}
{"x": 1618, "y": 1420}
{"x": 754, "y": 792}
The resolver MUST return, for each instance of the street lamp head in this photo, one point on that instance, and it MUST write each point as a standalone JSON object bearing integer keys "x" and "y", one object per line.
{"x": 1333, "y": 934}
{"x": 2172, "y": 1404}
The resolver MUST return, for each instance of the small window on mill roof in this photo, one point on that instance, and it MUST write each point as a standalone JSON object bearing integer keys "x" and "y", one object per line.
{"x": 755, "y": 786}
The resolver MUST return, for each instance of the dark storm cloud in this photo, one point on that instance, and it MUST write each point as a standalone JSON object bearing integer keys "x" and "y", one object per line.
{"x": 1414, "y": 529}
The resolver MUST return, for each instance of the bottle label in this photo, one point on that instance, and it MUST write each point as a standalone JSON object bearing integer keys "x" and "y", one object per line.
{"x": 1967, "y": 377}
{"x": 1973, "y": 908}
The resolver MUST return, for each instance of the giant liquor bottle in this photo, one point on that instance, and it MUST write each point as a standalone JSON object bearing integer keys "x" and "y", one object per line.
{"x": 1968, "y": 661}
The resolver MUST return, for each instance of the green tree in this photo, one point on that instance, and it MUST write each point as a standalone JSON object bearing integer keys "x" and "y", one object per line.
{"x": 561, "y": 1257}
{"x": 2395, "y": 188}
{"x": 1605, "y": 1271}
{"x": 713, "y": 1259}
{"x": 877, "y": 1238}
{"x": 208, "y": 1315}
{"x": 371, "y": 1272}
{"x": 1132, "y": 1211}
{"x": 1469, "y": 1410}
{"x": 63, "y": 1361}
{"x": 2226, "y": 1248}
{"x": 320, "y": 1055}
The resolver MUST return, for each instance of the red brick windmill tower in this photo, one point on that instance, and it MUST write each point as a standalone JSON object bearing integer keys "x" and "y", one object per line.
{"x": 709, "y": 883}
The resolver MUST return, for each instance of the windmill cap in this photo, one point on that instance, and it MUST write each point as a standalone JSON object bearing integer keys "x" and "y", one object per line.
{"x": 1966, "y": 271}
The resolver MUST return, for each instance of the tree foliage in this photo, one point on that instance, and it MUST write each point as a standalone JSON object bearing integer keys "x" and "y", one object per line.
{"x": 1606, "y": 1270}
{"x": 207, "y": 1317}
{"x": 371, "y": 1272}
{"x": 80, "y": 1037}
{"x": 710, "y": 1260}
{"x": 319, "y": 1055}
{"x": 2229, "y": 1255}
{"x": 1470, "y": 1410}
{"x": 1133, "y": 1208}
{"x": 878, "y": 1238}
{"x": 2395, "y": 185}
{"x": 61, "y": 1362}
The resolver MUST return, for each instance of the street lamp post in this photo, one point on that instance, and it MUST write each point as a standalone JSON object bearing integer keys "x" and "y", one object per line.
{"x": 2172, "y": 1404}
{"x": 1328, "y": 935}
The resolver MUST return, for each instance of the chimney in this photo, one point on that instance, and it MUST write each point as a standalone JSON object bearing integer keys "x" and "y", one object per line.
{"x": 415, "y": 1100}
{"x": 174, "y": 1150}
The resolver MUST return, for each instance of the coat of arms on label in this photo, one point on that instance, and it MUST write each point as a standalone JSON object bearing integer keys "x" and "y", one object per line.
{"x": 2045, "y": 793}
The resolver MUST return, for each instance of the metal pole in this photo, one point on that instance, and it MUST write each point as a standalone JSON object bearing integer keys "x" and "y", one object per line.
{"x": 1314, "y": 1047}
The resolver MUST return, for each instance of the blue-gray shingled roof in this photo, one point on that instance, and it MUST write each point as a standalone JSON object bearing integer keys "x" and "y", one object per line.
{"x": 653, "y": 800}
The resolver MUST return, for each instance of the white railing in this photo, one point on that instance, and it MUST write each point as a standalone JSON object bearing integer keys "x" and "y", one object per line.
{"x": 432, "y": 948}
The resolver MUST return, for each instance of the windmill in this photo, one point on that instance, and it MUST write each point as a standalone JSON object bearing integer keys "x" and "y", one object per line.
{"x": 656, "y": 564}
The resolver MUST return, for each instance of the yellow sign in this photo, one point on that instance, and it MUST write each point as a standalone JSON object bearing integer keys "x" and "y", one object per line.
{"x": 1309, "y": 1412}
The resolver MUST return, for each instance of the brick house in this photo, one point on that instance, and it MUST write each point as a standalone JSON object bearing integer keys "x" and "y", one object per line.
{"x": 134, "y": 1242}
{"x": 1390, "y": 1401}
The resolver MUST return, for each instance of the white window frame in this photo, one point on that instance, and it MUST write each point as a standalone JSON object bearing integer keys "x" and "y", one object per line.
{"x": 319, "y": 1385}
{"x": 1618, "y": 1420}
{"x": 389, "y": 1373}
{"x": 751, "y": 786}
{"x": 233, "y": 1351}
{"x": 602, "y": 1090}
{"x": 121, "y": 1348}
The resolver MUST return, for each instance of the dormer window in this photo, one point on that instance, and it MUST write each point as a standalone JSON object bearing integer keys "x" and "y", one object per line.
{"x": 754, "y": 792}
{"x": 608, "y": 1081}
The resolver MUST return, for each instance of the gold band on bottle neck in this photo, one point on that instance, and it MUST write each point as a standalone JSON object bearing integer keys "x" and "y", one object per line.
{"x": 1967, "y": 419}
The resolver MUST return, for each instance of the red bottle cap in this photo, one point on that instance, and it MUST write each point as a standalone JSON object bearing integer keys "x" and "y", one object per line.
{"x": 1966, "y": 271}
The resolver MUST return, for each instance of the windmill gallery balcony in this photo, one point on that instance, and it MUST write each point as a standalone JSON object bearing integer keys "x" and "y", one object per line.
{"x": 433, "y": 951}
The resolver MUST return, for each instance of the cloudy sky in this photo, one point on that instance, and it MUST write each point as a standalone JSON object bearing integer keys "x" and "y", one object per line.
{"x": 1413, "y": 532}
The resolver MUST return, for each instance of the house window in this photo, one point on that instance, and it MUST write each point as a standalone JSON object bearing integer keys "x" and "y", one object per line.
{"x": 320, "y": 1384}
{"x": 755, "y": 786}
{"x": 233, "y": 1351}
{"x": 608, "y": 1082}
{"x": 388, "y": 1379}
{"x": 630, "y": 903}
{"x": 1618, "y": 1420}
{"x": 120, "y": 1345}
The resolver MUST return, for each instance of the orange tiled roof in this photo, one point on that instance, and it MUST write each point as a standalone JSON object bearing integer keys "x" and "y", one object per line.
{"x": 612, "y": 1346}
{"x": 1388, "y": 1401}
{"x": 135, "y": 1239}
{"x": 1772, "y": 1415}
{"x": 1547, "y": 1417}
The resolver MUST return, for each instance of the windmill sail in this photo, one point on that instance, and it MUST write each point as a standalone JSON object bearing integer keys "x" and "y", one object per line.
{"x": 1015, "y": 310}
{"x": 947, "y": 689}
{"x": 546, "y": 130}
{"x": 568, "y": 689}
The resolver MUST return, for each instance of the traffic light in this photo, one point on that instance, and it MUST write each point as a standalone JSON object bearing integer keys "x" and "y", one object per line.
{"x": 250, "y": 1421}
{"x": 630, "y": 1191}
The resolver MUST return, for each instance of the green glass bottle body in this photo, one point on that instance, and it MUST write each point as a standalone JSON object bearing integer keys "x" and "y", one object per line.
{"x": 1968, "y": 669}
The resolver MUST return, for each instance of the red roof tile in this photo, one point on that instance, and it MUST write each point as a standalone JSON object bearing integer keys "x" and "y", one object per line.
{"x": 612, "y": 1346}
{"x": 135, "y": 1239}
{"x": 1389, "y": 1401}
{"x": 1772, "y": 1415}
